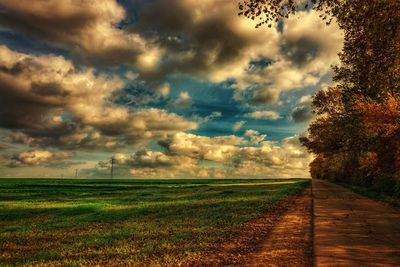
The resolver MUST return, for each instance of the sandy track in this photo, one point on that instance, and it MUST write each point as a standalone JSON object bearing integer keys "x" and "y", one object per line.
{"x": 351, "y": 230}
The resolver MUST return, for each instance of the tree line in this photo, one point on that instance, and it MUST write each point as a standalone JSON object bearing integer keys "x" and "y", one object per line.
{"x": 356, "y": 133}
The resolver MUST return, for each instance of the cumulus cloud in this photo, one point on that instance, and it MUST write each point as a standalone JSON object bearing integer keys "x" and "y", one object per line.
{"x": 164, "y": 89}
{"x": 263, "y": 115}
{"x": 303, "y": 112}
{"x": 180, "y": 41}
{"x": 186, "y": 155}
{"x": 191, "y": 47}
{"x": 87, "y": 28}
{"x": 311, "y": 49}
{"x": 177, "y": 41}
{"x": 215, "y": 114}
{"x": 139, "y": 93}
{"x": 236, "y": 127}
{"x": 155, "y": 164}
{"x": 289, "y": 159}
{"x": 263, "y": 62}
{"x": 305, "y": 56}
{"x": 212, "y": 116}
{"x": 255, "y": 136}
{"x": 36, "y": 157}
{"x": 48, "y": 101}
{"x": 201, "y": 147}
{"x": 184, "y": 101}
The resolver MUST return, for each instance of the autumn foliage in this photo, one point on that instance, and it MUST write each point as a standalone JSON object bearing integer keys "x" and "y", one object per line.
{"x": 356, "y": 135}
{"x": 361, "y": 145}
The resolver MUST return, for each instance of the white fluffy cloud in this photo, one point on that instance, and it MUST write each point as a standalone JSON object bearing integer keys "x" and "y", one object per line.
{"x": 184, "y": 101}
{"x": 87, "y": 28}
{"x": 288, "y": 159}
{"x": 202, "y": 147}
{"x": 236, "y": 127}
{"x": 187, "y": 155}
{"x": 48, "y": 101}
{"x": 307, "y": 49}
{"x": 201, "y": 38}
{"x": 263, "y": 115}
{"x": 51, "y": 102}
{"x": 255, "y": 136}
{"x": 36, "y": 157}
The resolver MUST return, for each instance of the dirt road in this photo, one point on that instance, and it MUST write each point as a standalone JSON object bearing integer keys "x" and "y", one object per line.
{"x": 351, "y": 230}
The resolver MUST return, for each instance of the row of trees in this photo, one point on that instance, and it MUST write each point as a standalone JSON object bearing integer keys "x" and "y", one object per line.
{"x": 356, "y": 136}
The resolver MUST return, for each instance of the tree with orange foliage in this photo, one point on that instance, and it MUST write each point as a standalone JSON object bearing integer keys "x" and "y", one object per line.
{"x": 356, "y": 135}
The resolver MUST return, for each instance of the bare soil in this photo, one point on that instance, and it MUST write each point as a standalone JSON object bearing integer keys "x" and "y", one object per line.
{"x": 290, "y": 241}
{"x": 282, "y": 236}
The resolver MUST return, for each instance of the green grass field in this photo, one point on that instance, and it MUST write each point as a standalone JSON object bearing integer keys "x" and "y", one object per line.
{"x": 125, "y": 222}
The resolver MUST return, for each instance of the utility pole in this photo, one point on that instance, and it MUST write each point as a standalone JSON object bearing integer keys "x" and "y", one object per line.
{"x": 76, "y": 173}
{"x": 112, "y": 167}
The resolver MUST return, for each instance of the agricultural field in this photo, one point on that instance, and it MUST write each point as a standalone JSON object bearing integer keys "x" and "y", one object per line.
{"x": 126, "y": 222}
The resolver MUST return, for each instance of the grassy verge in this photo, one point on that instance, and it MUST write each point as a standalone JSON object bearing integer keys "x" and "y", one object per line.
{"x": 395, "y": 202}
{"x": 126, "y": 222}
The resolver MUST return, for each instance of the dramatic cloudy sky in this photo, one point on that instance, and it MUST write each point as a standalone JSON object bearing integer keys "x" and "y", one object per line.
{"x": 170, "y": 88}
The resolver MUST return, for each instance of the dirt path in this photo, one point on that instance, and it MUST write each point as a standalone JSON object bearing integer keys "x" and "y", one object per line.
{"x": 351, "y": 230}
{"x": 290, "y": 241}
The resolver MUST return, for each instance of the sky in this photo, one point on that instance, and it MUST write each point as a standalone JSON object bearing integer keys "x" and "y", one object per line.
{"x": 169, "y": 88}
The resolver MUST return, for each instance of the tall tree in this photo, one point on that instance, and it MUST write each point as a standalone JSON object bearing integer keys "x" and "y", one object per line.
{"x": 356, "y": 136}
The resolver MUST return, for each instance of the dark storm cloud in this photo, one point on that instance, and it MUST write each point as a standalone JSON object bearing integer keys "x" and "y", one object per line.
{"x": 198, "y": 38}
{"x": 48, "y": 89}
{"x": 50, "y": 21}
{"x": 303, "y": 111}
{"x": 160, "y": 42}
{"x": 86, "y": 28}
{"x": 171, "y": 23}
{"x": 301, "y": 51}
{"x": 264, "y": 96}
{"x": 205, "y": 39}
{"x": 19, "y": 109}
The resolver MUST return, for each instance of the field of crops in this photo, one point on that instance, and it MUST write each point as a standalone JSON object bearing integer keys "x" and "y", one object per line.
{"x": 125, "y": 222}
